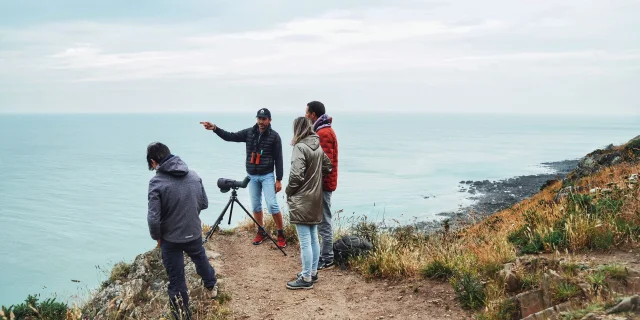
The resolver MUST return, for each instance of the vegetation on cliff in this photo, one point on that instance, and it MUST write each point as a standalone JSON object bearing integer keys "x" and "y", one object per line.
{"x": 595, "y": 209}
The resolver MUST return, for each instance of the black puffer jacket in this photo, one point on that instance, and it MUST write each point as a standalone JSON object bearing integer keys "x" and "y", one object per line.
{"x": 269, "y": 143}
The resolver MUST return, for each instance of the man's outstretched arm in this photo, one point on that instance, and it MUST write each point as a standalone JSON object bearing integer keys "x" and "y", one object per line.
{"x": 240, "y": 136}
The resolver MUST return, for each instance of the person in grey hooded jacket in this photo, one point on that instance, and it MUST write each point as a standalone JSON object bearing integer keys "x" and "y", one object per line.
{"x": 176, "y": 197}
{"x": 304, "y": 197}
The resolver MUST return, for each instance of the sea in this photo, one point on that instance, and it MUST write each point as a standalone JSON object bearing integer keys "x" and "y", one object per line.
{"x": 73, "y": 187}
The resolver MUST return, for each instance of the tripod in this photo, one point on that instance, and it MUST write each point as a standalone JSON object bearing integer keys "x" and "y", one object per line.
{"x": 233, "y": 199}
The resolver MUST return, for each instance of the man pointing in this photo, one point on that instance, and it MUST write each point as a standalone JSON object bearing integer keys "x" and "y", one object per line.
{"x": 264, "y": 153}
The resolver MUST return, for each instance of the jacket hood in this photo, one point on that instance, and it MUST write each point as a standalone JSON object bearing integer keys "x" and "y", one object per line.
{"x": 312, "y": 141}
{"x": 173, "y": 165}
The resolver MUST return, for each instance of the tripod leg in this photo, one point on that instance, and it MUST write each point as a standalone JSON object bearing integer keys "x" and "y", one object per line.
{"x": 231, "y": 211}
{"x": 215, "y": 225}
{"x": 260, "y": 227}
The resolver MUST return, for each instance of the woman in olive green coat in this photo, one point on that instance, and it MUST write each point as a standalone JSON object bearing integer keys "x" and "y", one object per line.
{"x": 304, "y": 197}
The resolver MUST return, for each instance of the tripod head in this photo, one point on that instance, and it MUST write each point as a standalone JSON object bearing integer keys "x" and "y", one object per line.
{"x": 227, "y": 184}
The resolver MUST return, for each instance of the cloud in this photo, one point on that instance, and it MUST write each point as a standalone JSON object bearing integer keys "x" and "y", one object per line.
{"x": 330, "y": 44}
{"x": 434, "y": 45}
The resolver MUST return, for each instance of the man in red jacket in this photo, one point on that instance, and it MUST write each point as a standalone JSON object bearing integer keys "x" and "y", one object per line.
{"x": 329, "y": 143}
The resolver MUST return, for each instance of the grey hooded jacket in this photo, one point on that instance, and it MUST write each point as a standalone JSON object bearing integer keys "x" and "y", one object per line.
{"x": 176, "y": 197}
{"x": 304, "y": 191}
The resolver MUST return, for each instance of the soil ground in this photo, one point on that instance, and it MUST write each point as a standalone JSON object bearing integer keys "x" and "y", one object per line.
{"x": 255, "y": 277}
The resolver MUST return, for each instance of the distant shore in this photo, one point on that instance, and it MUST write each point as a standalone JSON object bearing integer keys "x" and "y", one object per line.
{"x": 492, "y": 196}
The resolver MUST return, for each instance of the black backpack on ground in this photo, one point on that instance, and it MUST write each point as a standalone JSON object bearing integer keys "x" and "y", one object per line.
{"x": 349, "y": 247}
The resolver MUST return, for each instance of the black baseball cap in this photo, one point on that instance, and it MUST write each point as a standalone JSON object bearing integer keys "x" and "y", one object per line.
{"x": 263, "y": 113}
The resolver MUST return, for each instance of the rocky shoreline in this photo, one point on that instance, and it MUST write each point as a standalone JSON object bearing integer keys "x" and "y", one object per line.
{"x": 492, "y": 196}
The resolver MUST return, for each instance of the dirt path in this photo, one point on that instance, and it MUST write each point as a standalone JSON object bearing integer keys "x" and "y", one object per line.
{"x": 255, "y": 276}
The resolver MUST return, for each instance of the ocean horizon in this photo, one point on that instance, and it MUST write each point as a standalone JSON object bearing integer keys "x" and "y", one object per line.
{"x": 73, "y": 193}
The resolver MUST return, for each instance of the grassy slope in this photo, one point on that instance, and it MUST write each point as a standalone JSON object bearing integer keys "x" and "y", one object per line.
{"x": 471, "y": 258}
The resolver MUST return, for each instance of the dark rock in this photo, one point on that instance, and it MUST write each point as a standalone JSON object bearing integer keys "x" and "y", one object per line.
{"x": 512, "y": 283}
{"x": 495, "y": 196}
{"x": 626, "y": 305}
{"x": 563, "y": 193}
{"x": 548, "y": 183}
{"x": 530, "y": 302}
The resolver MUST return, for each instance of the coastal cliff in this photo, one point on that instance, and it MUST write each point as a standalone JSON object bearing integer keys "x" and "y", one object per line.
{"x": 568, "y": 251}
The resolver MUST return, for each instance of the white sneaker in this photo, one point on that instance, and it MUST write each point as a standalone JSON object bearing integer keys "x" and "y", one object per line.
{"x": 211, "y": 293}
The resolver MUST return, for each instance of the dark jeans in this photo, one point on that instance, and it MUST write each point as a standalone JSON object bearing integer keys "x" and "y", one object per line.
{"x": 173, "y": 260}
{"x": 325, "y": 228}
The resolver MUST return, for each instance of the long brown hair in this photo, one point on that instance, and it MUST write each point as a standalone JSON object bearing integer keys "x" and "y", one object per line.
{"x": 302, "y": 128}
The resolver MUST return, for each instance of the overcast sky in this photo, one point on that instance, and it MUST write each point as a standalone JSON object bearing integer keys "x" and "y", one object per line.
{"x": 523, "y": 56}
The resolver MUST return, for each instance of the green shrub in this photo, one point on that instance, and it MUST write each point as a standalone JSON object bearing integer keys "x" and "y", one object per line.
{"x": 437, "y": 269}
{"x": 408, "y": 236}
{"x": 630, "y": 230}
{"x": 580, "y": 203}
{"x": 469, "y": 289}
{"x": 519, "y": 237}
{"x": 597, "y": 280}
{"x": 507, "y": 310}
{"x": 556, "y": 239}
{"x": 564, "y": 291}
{"x": 608, "y": 206}
{"x": 31, "y": 308}
{"x": 615, "y": 271}
{"x": 534, "y": 246}
{"x": 530, "y": 280}
{"x": 491, "y": 269}
{"x": 367, "y": 230}
{"x": 601, "y": 240}
{"x": 528, "y": 244}
{"x": 572, "y": 269}
{"x": 120, "y": 271}
{"x": 633, "y": 147}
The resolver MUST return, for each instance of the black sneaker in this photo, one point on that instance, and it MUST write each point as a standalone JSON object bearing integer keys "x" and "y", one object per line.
{"x": 325, "y": 265}
{"x": 299, "y": 283}
{"x": 314, "y": 279}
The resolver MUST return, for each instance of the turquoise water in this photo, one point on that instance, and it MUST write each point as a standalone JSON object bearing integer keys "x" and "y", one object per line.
{"x": 73, "y": 188}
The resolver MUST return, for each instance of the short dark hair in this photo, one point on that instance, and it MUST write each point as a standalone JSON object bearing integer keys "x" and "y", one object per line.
{"x": 157, "y": 152}
{"x": 316, "y": 107}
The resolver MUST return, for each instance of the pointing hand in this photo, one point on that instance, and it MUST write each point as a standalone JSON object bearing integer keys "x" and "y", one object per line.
{"x": 208, "y": 125}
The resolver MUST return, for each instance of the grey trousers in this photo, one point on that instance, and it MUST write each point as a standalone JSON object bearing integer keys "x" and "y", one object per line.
{"x": 325, "y": 228}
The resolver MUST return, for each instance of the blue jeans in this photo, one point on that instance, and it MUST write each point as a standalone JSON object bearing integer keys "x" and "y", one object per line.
{"x": 173, "y": 260}
{"x": 309, "y": 248}
{"x": 266, "y": 184}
